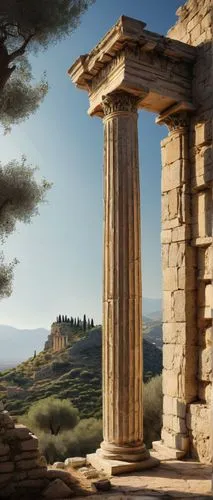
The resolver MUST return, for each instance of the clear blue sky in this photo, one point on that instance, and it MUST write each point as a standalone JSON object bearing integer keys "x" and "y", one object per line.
{"x": 60, "y": 253}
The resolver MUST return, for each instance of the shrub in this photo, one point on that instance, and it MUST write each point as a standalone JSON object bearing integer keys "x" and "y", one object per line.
{"x": 53, "y": 415}
{"x": 152, "y": 410}
{"x": 84, "y": 438}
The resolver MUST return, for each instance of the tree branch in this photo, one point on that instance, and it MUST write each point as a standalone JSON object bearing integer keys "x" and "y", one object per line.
{"x": 21, "y": 50}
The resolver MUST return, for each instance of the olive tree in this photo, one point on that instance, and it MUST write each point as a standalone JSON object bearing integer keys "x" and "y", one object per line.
{"x": 20, "y": 195}
{"x": 26, "y": 27}
{"x": 53, "y": 415}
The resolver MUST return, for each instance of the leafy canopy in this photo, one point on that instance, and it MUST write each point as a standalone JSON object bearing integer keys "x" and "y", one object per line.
{"x": 20, "y": 195}
{"x": 27, "y": 26}
{"x": 53, "y": 415}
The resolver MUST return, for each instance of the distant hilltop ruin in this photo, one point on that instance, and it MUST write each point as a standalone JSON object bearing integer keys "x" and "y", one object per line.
{"x": 64, "y": 329}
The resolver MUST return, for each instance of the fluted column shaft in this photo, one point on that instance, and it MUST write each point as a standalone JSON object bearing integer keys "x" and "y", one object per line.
{"x": 122, "y": 293}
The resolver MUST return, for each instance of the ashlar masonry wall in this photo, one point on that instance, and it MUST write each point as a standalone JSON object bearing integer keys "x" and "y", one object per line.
{"x": 187, "y": 257}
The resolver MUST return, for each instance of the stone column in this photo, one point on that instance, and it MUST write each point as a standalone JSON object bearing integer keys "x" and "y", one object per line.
{"x": 122, "y": 448}
{"x": 122, "y": 292}
{"x": 179, "y": 287}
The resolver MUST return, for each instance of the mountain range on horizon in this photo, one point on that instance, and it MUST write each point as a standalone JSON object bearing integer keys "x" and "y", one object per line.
{"x": 19, "y": 344}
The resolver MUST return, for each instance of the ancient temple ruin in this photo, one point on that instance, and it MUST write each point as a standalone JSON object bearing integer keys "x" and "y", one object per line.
{"x": 132, "y": 69}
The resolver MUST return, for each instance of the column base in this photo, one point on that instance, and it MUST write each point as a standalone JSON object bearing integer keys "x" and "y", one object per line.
{"x": 115, "y": 467}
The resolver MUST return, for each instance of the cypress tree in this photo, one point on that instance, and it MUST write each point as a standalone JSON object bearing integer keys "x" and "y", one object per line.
{"x": 85, "y": 323}
{"x": 92, "y": 323}
{"x": 59, "y": 318}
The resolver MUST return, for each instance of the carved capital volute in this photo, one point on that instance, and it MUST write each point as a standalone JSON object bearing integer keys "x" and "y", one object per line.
{"x": 176, "y": 121}
{"x": 117, "y": 102}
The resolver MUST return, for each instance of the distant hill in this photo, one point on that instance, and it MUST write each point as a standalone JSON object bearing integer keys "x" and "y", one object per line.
{"x": 151, "y": 305}
{"x": 74, "y": 373}
{"x": 156, "y": 316}
{"x": 17, "y": 344}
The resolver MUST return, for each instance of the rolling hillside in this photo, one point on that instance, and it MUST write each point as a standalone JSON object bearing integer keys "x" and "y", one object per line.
{"x": 74, "y": 373}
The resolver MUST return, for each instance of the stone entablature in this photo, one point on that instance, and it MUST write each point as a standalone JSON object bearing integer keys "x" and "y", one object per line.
{"x": 162, "y": 68}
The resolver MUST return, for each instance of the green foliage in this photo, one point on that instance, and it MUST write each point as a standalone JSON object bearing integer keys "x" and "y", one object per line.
{"x": 29, "y": 26}
{"x": 53, "y": 415}
{"x": 152, "y": 410}
{"x": 20, "y": 195}
{"x": 84, "y": 438}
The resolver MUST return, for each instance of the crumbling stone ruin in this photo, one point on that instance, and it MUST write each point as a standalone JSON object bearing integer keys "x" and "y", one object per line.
{"x": 23, "y": 470}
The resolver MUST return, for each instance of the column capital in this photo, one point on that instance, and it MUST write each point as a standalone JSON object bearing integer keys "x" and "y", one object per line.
{"x": 119, "y": 101}
{"x": 176, "y": 121}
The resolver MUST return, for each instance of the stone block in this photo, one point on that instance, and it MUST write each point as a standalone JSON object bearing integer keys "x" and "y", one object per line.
{"x": 26, "y": 454}
{"x": 4, "y": 449}
{"x": 21, "y": 432}
{"x": 170, "y": 279}
{"x": 172, "y": 176}
{"x": 186, "y": 278}
{"x": 177, "y": 384}
{"x": 183, "y": 306}
{"x": 202, "y": 214}
{"x": 203, "y": 160}
{"x": 6, "y": 467}
{"x": 165, "y": 255}
{"x": 167, "y": 421}
{"x": 167, "y": 307}
{"x": 198, "y": 419}
{"x": 195, "y": 33}
{"x": 173, "y": 198}
{"x": 205, "y": 259}
{"x": 181, "y": 233}
{"x": 179, "y": 425}
{"x": 208, "y": 332}
{"x": 205, "y": 364}
{"x": 203, "y": 133}
{"x": 174, "y": 407}
{"x": 75, "y": 462}
{"x": 209, "y": 295}
{"x": 24, "y": 465}
{"x": 177, "y": 253}
{"x": 206, "y": 22}
{"x": 193, "y": 23}
{"x": 173, "y": 148}
{"x": 173, "y": 355}
{"x": 57, "y": 489}
{"x": 173, "y": 440}
{"x": 29, "y": 444}
{"x": 179, "y": 333}
{"x": 166, "y": 236}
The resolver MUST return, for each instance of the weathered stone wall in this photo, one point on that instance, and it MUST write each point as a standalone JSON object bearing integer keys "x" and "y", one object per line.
{"x": 23, "y": 470}
{"x": 187, "y": 249}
